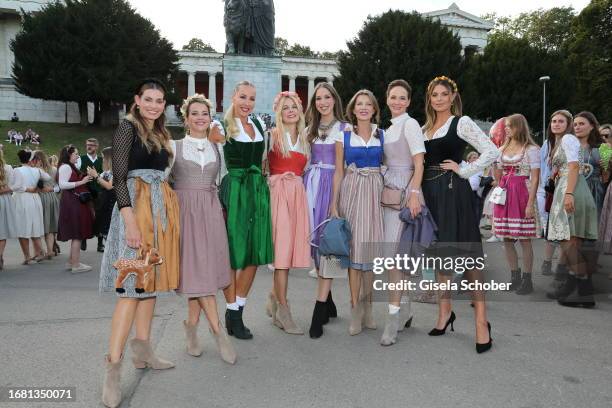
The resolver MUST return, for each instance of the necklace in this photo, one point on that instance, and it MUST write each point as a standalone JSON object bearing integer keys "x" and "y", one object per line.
{"x": 324, "y": 129}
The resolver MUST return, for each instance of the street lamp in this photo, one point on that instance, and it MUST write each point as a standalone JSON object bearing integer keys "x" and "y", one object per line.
{"x": 543, "y": 80}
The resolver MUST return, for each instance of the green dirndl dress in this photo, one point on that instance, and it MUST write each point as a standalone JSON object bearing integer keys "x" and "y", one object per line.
{"x": 245, "y": 196}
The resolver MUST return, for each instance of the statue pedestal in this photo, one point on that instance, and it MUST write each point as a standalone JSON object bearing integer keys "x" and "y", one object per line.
{"x": 264, "y": 72}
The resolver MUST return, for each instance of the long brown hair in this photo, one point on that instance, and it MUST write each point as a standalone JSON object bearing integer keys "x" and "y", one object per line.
{"x": 521, "y": 133}
{"x": 551, "y": 136}
{"x": 594, "y": 139}
{"x": 456, "y": 106}
{"x": 44, "y": 161}
{"x": 158, "y": 137}
{"x": 313, "y": 116}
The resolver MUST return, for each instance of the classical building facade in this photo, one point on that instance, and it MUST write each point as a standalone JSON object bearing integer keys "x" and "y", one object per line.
{"x": 200, "y": 72}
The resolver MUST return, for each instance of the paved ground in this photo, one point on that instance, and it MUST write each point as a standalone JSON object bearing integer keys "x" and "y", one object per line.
{"x": 54, "y": 332}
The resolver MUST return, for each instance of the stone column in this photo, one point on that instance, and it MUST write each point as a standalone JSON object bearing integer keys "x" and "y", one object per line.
{"x": 330, "y": 80}
{"x": 292, "y": 83}
{"x": 190, "y": 83}
{"x": 212, "y": 90}
{"x": 311, "y": 86}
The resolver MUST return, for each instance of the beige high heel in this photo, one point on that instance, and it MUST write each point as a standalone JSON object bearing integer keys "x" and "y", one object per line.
{"x": 356, "y": 319}
{"x": 284, "y": 320}
{"x": 224, "y": 345}
{"x": 191, "y": 335}
{"x": 111, "y": 389}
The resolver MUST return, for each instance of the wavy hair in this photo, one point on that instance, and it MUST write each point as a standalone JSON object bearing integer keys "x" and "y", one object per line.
{"x": 158, "y": 137}
{"x": 313, "y": 116}
{"x": 278, "y": 136}
{"x": 195, "y": 98}
{"x": 456, "y": 106}
{"x": 3, "y": 178}
{"x": 44, "y": 161}
{"x": 521, "y": 134}
{"x": 594, "y": 139}
{"x": 351, "y": 107}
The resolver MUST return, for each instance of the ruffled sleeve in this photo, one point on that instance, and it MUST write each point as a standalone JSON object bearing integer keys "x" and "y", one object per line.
{"x": 122, "y": 145}
{"x": 571, "y": 147}
{"x": 471, "y": 133}
{"x": 532, "y": 156}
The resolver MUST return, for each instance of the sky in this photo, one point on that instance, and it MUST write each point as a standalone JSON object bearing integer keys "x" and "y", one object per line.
{"x": 324, "y": 25}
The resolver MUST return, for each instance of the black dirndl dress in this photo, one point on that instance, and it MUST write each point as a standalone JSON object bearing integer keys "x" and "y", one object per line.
{"x": 450, "y": 198}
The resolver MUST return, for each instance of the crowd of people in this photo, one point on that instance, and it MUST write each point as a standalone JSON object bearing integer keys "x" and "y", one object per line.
{"x": 30, "y": 136}
{"x": 233, "y": 195}
{"x": 49, "y": 199}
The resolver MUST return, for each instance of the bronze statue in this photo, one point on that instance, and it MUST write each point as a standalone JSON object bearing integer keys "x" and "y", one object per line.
{"x": 249, "y": 27}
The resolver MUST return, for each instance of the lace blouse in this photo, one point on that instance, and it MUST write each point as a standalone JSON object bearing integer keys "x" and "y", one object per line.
{"x": 475, "y": 137}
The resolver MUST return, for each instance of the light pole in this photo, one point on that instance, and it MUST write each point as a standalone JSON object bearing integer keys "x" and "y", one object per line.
{"x": 543, "y": 80}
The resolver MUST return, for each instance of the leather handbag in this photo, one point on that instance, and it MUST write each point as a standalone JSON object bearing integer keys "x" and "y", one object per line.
{"x": 84, "y": 197}
{"x": 393, "y": 198}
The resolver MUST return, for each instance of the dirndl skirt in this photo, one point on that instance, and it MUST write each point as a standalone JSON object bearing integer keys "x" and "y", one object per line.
{"x": 156, "y": 210}
{"x": 582, "y": 223}
{"x": 8, "y": 217}
{"x": 50, "y": 204}
{"x": 360, "y": 194}
{"x": 509, "y": 219}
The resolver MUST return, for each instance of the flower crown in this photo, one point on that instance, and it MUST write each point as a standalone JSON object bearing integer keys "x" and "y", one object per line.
{"x": 288, "y": 94}
{"x": 447, "y": 80}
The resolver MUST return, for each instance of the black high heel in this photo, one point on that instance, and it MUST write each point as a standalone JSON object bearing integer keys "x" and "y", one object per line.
{"x": 439, "y": 332}
{"x": 482, "y": 347}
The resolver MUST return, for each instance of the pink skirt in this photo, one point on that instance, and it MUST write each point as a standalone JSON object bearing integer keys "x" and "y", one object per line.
{"x": 509, "y": 220}
{"x": 290, "y": 222}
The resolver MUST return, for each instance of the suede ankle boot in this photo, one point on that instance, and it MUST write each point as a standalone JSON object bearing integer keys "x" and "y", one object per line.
{"x": 111, "y": 390}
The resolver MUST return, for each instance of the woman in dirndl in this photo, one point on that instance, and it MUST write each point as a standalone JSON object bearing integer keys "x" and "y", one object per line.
{"x": 325, "y": 120}
{"x": 146, "y": 216}
{"x": 290, "y": 221}
{"x": 361, "y": 149}
{"x": 403, "y": 155}
{"x": 517, "y": 219}
{"x": 449, "y": 197}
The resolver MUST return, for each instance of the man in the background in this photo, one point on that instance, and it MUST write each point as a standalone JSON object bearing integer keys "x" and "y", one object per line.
{"x": 91, "y": 159}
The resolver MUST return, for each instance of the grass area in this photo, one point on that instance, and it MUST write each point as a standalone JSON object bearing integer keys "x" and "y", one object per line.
{"x": 54, "y": 136}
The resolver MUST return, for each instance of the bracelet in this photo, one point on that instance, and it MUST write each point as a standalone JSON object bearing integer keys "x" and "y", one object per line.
{"x": 415, "y": 191}
{"x": 572, "y": 194}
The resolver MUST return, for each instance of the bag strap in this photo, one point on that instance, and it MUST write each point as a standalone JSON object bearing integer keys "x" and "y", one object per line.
{"x": 315, "y": 229}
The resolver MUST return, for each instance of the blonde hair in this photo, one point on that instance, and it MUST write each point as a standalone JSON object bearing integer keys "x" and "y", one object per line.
{"x": 230, "y": 123}
{"x": 278, "y": 136}
{"x": 107, "y": 159}
{"x": 456, "y": 106}
{"x": 3, "y": 180}
{"x": 158, "y": 137}
{"x": 520, "y": 134}
{"x": 44, "y": 161}
{"x": 53, "y": 160}
{"x": 351, "y": 106}
{"x": 195, "y": 98}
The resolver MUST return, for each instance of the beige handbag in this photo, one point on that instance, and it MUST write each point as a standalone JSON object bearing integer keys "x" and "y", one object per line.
{"x": 393, "y": 198}
{"x": 329, "y": 268}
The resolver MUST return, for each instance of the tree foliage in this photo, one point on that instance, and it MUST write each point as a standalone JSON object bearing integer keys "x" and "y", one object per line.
{"x": 196, "y": 44}
{"x": 397, "y": 45}
{"x": 282, "y": 47}
{"x": 89, "y": 51}
{"x": 590, "y": 57}
{"x": 505, "y": 80}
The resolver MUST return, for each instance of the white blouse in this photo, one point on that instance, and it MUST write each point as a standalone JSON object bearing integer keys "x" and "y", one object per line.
{"x": 532, "y": 157}
{"x": 471, "y": 133}
{"x": 9, "y": 176}
{"x": 412, "y": 133}
{"x": 199, "y": 151}
{"x": 243, "y": 136}
{"x": 25, "y": 177}
{"x": 297, "y": 147}
{"x": 357, "y": 141}
{"x": 64, "y": 175}
{"x": 571, "y": 146}
{"x": 334, "y": 134}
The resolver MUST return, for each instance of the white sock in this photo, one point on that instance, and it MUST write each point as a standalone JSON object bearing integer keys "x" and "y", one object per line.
{"x": 393, "y": 309}
{"x": 241, "y": 301}
{"x": 233, "y": 306}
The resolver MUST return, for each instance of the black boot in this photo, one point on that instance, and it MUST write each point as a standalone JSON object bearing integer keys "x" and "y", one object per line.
{"x": 581, "y": 296}
{"x": 331, "y": 306}
{"x": 246, "y": 329}
{"x": 100, "y": 243}
{"x": 526, "y": 285}
{"x": 84, "y": 245}
{"x": 564, "y": 290}
{"x": 319, "y": 315}
{"x": 515, "y": 279}
{"x": 235, "y": 326}
{"x": 547, "y": 268}
{"x": 561, "y": 272}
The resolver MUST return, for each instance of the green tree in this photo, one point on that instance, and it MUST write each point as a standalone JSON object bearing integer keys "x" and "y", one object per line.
{"x": 505, "y": 80}
{"x": 590, "y": 55}
{"x": 196, "y": 44}
{"x": 298, "y": 50}
{"x": 90, "y": 51}
{"x": 398, "y": 45}
{"x": 280, "y": 45}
